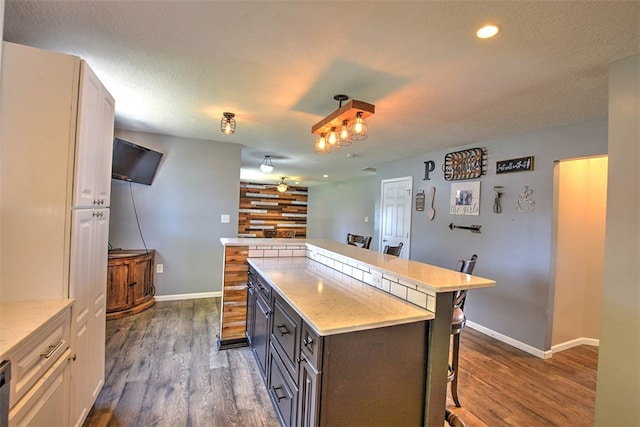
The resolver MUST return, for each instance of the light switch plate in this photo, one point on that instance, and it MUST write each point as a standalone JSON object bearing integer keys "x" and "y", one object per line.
{"x": 224, "y": 219}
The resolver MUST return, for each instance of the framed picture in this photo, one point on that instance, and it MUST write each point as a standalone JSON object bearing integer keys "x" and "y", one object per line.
{"x": 465, "y": 198}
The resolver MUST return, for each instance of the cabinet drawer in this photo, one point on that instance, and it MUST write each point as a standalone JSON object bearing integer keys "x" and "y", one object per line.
{"x": 285, "y": 333}
{"x": 311, "y": 346}
{"x": 31, "y": 359}
{"x": 282, "y": 390}
{"x": 264, "y": 288}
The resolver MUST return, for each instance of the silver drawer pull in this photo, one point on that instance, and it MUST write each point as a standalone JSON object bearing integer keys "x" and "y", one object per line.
{"x": 52, "y": 349}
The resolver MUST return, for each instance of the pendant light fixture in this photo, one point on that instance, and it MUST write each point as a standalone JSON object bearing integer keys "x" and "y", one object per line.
{"x": 228, "y": 123}
{"x": 322, "y": 146}
{"x": 344, "y": 125}
{"x": 282, "y": 186}
{"x": 266, "y": 166}
{"x": 359, "y": 128}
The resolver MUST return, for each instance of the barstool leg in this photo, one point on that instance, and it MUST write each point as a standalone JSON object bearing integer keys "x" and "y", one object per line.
{"x": 454, "y": 366}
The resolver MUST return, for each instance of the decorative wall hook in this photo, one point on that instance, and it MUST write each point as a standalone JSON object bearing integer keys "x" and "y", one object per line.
{"x": 525, "y": 204}
{"x": 498, "y": 190}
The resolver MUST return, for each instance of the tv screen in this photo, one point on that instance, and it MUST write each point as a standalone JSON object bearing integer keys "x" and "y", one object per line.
{"x": 134, "y": 163}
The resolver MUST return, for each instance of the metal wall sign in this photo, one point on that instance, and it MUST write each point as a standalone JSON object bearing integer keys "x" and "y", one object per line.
{"x": 515, "y": 165}
{"x": 465, "y": 164}
{"x": 420, "y": 201}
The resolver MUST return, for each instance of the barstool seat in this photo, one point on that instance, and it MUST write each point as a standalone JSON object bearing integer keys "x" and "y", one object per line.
{"x": 458, "y": 322}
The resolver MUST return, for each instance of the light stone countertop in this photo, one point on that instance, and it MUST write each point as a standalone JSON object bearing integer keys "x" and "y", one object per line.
{"x": 434, "y": 278}
{"x": 20, "y": 319}
{"x": 332, "y": 302}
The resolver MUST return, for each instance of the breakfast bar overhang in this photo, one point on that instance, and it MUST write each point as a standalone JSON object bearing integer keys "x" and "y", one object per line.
{"x": 417, "y": 292}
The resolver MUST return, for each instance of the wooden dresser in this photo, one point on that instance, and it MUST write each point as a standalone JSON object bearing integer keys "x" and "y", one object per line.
{"x": 130, "y": 288}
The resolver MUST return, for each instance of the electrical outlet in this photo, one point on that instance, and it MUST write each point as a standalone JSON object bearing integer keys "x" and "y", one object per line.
{"x": 159, "y": 268}
{"x": 224, "y": 219}
{"x": 366, "y": 219}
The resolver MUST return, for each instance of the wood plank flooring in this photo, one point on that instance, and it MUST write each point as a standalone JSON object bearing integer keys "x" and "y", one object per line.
{"x": 163, "y": 369}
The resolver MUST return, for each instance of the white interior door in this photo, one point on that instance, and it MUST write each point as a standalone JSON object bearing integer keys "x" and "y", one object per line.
{"x": 395, "y": 218}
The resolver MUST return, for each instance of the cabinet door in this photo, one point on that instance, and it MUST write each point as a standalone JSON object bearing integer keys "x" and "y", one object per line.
{"x": 261, "y": 335}
{"x": 119, "y": 281}
{"x": 87, "y": 284}
{"x": 94, "y": 144}
{"x": 143, "y": 278}
{"x": 308, "y": 395}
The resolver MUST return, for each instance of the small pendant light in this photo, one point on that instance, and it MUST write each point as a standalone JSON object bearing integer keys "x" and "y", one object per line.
{"x": 228, "y": 123}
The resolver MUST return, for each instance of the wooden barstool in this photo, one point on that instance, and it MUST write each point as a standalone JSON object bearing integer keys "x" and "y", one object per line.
{"x": 457, "y": 323}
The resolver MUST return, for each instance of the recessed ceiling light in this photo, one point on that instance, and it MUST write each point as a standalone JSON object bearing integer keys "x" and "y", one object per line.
{"x": 325, "y": 176}
{"x": 488, "y": 31}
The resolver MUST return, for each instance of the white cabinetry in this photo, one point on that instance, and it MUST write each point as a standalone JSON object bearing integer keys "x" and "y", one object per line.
{"x": 57, "y": 136}
{"x": 40, "y": 383}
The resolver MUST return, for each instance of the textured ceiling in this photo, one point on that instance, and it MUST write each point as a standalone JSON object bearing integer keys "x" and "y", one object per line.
{"x": 175, "y": 66}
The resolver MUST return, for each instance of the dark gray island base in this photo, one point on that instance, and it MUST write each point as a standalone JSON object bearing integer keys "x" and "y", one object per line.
{"x": 371, "y": 376}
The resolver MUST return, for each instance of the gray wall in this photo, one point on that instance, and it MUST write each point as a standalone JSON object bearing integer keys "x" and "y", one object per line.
{"x": 618, "y": 390}
{"x": 341, "y": 208}
{"x": 513, "y": 248}
{"x": 180, "y": 212}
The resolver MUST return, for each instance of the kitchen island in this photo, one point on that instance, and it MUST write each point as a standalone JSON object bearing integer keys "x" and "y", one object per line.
{"x": 426, "y": 288}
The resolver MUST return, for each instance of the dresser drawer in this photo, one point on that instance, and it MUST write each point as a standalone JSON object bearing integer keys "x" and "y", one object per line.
{"x": 31, "y": 358}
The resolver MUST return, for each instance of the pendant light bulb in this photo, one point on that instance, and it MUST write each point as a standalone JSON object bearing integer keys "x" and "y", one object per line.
{"x": 359, "y": 128}
{"x": 322, "y": 147}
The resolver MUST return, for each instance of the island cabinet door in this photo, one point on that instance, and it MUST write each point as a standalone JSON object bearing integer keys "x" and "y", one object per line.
{"x": 260, "y": 343}
{"x": 308, "y": 395}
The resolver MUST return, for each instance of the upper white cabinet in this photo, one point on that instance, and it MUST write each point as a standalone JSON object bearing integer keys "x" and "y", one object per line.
{"x": 92, "y": 180}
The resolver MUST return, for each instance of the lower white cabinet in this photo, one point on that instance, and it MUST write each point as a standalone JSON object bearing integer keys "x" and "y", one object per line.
{"x": 88, "y": 275}
{"x": 47, "y": 403}
{"x": 40, "y": 376}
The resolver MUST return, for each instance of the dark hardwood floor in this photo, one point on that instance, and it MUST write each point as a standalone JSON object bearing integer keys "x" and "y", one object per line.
{"x": 163, "y": 369}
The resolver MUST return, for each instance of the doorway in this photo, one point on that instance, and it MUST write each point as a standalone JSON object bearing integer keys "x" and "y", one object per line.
{"x": 580, "y": 203}
{"x": 395, "y": 214}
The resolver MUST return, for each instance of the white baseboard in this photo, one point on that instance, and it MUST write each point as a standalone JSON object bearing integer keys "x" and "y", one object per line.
{"x": 532, "y": 350}
{"x": 508, "y": 340}
{"x": 574, "y": 343}
{"x": 178, "y": 297}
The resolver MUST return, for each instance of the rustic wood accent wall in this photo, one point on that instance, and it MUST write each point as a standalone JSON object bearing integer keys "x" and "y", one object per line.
{"x": 265, "y": 212}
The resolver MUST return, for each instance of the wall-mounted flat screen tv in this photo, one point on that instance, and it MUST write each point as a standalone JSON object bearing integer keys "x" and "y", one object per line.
{"x": 134, "y": 163}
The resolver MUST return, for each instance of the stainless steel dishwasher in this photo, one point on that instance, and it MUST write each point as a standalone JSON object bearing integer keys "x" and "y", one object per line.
{"x": 5, "y": 377}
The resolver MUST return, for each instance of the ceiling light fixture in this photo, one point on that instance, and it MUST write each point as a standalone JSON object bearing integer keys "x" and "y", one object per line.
{"x": 344, "y": 125}
{"x": 488, "y": 31}
{"x": 282, "y": 186}
{"x": 266, "y": 166}
{"x": 228, "y": 123}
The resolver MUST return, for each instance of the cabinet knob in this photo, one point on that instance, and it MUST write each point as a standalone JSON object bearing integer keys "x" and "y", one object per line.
{"x": 307, "y": 341}
{"x": 73, "y": 358}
